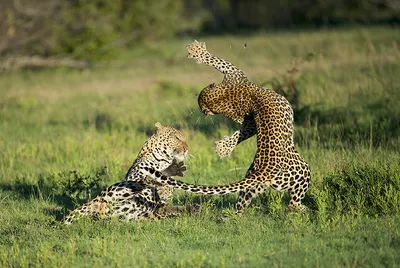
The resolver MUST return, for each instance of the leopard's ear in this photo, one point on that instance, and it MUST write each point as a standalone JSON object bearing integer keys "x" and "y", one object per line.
{"x": 158, "y": 125}
{"x": 202, "y": 44}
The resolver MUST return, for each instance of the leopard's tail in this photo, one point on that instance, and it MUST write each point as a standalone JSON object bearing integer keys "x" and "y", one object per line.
{"x": 249, "y": 182}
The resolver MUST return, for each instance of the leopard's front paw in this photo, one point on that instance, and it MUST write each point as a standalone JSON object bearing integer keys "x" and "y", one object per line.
{"x": 196, "y": 50}
{"x": 224, "y": 147}
{"x": 175, "y": 169}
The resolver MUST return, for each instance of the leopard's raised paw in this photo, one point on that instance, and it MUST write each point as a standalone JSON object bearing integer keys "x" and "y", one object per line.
{"x": 224, "y": 148}
{"x": 175, "y": 169}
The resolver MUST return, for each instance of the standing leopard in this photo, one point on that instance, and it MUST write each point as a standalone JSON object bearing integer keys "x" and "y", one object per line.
{"x": 139, "y": 197}
{"x": 260, "y": 112}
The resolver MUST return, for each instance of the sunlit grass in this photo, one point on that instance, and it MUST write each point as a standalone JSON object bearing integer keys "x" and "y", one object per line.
{"x": 346, "y": 127}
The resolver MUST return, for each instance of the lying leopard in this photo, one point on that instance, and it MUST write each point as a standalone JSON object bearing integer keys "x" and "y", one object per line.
{"x": 261, "y": 112}
{"x": 139, "y": 197}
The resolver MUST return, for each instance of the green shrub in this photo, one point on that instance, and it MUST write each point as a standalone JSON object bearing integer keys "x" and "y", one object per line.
{"x": 366, "y": 190}
{"x": 72, "y": 184}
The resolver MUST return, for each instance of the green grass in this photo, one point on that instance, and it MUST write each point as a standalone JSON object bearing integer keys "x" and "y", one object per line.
{"x": 59, "y": 127}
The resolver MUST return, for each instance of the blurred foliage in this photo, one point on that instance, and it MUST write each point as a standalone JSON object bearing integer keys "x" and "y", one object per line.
{"x": 86, "y": 29}
{"x": 94, "y": 29}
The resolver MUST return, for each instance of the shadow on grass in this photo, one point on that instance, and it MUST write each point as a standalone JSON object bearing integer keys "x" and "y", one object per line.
{"x": 66, "y": 189}
{"x": 354, "y": 190}
{"x": 268, "y": 202}
{"x": 369, "y": 119}
{"x": 28, "y": 191}
{"x": 219, "y": 202}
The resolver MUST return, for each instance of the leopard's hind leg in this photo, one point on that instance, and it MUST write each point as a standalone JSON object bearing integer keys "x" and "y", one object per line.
{"x": 97, "y": 208}
{"x": 245, "y": 197}
{"x": 298, "y": 186}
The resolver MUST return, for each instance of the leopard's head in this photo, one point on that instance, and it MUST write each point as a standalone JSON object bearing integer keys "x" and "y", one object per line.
{"x": 170, "y": 142}
{"x": 229, "y": 101}
{"x": 211, "y": 100}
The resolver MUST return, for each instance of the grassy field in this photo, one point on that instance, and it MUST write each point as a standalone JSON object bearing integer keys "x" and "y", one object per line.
{"x": 59, "y": 127}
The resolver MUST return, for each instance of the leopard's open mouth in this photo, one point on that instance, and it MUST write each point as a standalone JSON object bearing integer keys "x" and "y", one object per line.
{"x": 202, "y": 101}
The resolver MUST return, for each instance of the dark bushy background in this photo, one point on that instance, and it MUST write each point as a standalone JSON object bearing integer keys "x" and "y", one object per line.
{"x": 91, "y": 29}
